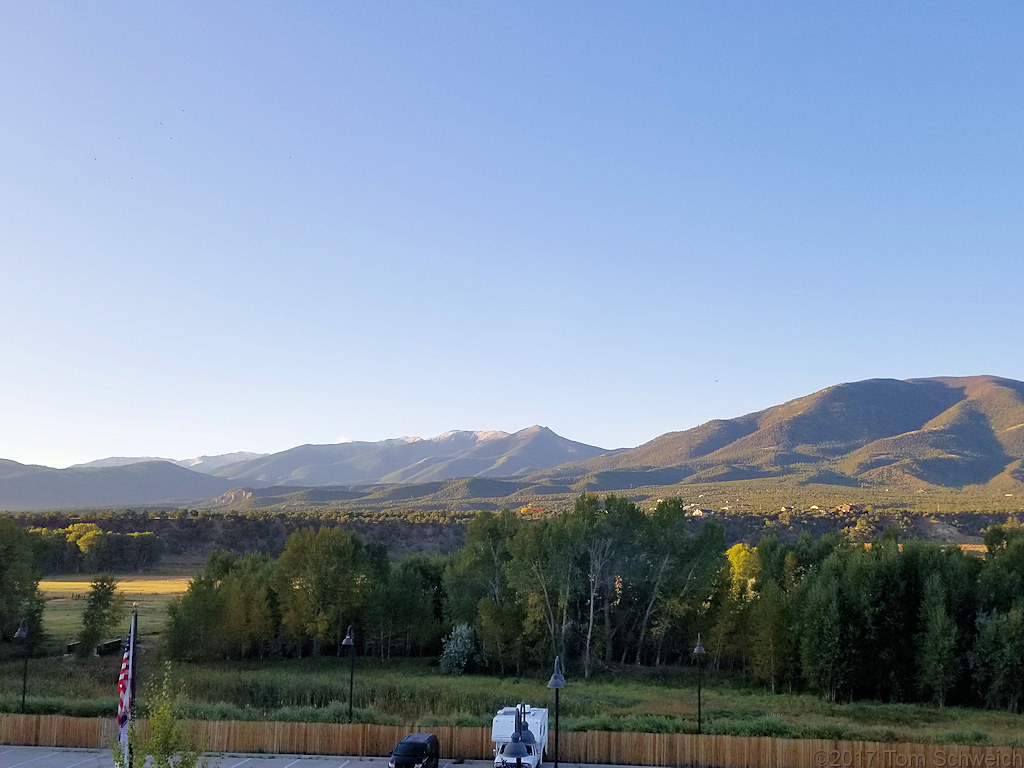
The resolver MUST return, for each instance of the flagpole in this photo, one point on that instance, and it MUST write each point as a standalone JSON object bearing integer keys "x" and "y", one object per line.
{"x": 126, "y": 690}
{"x": 131, "y": 711}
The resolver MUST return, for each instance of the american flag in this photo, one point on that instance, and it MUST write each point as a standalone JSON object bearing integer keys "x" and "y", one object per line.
{"x": 126, "y": 691}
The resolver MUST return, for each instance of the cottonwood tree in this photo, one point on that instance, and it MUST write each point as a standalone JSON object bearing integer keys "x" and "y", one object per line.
{"x": 476, "y": 590}
{"x": 599, "y": 542}
{"x": 997, "y": 658}
{"x": 104, "y": 609}
{"x": 499, "y": 628}
{"x": 936, "y": 645}
{"x": 76, "y": 532}
{"x": 621, "y": 522}
{"x": 194, "y": 618}
{"x": 672, "y": 566}
{"x": 771, "y": 639}
{"x": 736, "y": 598}
{"x": 249, "y": 622}
{"x": 544, "y": 572}
{"x": 1001, "y": 581}
{"x": 828, "y": 637}
{"x": 478, "y": 572}
{"x": 320, "y": 578}
{"x": 20, "y": 598}
{"x": 413, "y": 592}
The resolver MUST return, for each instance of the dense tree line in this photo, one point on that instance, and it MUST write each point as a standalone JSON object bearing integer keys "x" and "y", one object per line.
{"x": 606, "y": 584}
{"x": 256, "y": 530}
{"x": 85, "y": 547}
{"x": 919, "y": 621}
{"x": 603, "y": 583}
{"x": 324, "y": 581}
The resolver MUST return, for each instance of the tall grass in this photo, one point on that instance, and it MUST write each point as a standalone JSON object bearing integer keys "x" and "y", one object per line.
{"x": 409, "y": 692}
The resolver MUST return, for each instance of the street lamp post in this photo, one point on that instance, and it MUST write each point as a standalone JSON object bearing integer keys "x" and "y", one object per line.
{"x": 557, "y": 682}
{"x": 23, "y": 634}
{"x": 529, "y": 740}
{"x": 699, "y": 653}
{"x": 516, "y": 749}
{"x": 350, "y": 642}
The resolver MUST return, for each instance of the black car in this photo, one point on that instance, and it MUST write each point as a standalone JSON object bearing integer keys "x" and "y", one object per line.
{"x": 417, "y": 750}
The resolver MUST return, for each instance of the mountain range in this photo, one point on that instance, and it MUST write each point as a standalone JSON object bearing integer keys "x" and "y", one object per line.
{"x": 141, "y": 481}
{"x": 946, "y": 433}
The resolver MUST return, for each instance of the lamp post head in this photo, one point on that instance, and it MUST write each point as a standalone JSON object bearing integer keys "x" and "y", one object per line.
{"x": 22, "y": 633}
{"x": 516, "y": 750}
{"x": 349, "y": 637}
{"x": 557, "y": 679}
{"x": 699, "y": 650}
{"x": 527, "y": 735}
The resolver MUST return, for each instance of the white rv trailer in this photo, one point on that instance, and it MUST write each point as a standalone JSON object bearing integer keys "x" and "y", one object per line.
{"x": 504, "y": 724}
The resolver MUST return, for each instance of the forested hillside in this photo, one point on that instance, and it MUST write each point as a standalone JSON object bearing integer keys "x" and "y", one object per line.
{"x": 945, "y": 432}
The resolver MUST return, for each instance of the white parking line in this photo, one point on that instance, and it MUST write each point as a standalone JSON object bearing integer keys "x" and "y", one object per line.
{"x": 344, "y": 764}
{"x": 80, "y": 762}
{"x": 26, "y": 762}
{"x": 293, "y": 762}
{"x": 244, "y": 761}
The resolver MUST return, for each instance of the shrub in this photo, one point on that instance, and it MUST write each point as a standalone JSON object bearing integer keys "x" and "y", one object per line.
{"x": 458, "y": 650}
{"x": 168, "y": 744}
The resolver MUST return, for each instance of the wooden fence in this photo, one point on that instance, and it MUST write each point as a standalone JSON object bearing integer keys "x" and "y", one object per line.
{"x": 653, "y": 749}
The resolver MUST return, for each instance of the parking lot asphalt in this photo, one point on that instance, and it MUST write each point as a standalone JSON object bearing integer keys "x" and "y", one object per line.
{"x": 55, "y": 757}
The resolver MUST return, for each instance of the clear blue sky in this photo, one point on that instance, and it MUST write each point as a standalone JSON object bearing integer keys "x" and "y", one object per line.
{"x": 247, "y": 226}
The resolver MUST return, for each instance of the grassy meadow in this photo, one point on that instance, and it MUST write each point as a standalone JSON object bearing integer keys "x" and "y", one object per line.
{"x": 413, "y": 692}
{"x": 66, "y": 594}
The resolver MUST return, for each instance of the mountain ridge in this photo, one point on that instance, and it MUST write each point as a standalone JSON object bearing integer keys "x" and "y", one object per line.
{"x": 945, "y": 431}
{"x": 120, "y": 481}
{"x": 913, "y": 434}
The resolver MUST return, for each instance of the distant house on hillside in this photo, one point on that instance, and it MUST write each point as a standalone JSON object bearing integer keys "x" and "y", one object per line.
{"x": 848, "y": 508}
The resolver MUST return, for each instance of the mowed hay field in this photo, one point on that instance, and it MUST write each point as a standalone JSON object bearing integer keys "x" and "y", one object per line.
{"x": 151, "y": 592}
